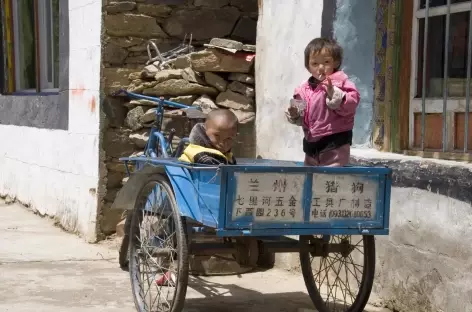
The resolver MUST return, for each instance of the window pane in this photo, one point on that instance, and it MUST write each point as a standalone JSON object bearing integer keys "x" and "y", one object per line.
{"x": 26, "y": 58}
{"x": 457, "y": 55}
{"x": 435, "y": 3}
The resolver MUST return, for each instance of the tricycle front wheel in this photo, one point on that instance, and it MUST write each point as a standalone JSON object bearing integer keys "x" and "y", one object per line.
{"x": 158, "y": 262}
{"x": 339, "y": 281}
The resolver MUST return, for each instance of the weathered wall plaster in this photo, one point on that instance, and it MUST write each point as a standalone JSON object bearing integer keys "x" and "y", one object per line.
{"x": 56, "y": 171}
{"x": 354, "y": 27}
{"x": 424, "y": 264}
{"x": 280, "y": 65}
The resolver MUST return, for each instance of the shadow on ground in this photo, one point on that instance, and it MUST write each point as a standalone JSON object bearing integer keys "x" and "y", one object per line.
{"x": 230, "y": 297}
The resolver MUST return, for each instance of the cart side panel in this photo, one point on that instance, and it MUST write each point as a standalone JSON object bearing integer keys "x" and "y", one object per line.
{"x": 186, "y": 192}
{"x": 208, "y": 183}
{"x": 278, "y": 200}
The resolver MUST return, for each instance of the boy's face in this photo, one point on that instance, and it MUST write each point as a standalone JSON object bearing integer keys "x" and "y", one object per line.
{"x": 221, "y": 134}
{"x": 322, "y": 64}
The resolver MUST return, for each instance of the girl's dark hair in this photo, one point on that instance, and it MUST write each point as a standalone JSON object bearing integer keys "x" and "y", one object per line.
{"x": 318, "y": 44}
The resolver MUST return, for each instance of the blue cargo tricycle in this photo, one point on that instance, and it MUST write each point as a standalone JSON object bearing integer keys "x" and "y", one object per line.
{"x": 258, "y": 207}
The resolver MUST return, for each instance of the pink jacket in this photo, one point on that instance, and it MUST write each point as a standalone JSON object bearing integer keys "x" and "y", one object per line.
{"x": 317, "y": 119}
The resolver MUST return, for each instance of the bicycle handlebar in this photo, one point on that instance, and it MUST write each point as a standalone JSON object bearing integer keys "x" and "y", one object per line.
{"x": 150, "y": 98}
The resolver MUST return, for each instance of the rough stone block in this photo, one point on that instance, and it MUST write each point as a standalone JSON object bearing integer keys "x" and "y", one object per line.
{"x": 116, "y": 78}
{"x": 114, "y": 179}
{"x": 149, "y": 71}
{"x": 242, "y": 88}
{"x": 126, "y": 42}
{"x": 115, "y": 111}
{"x": 134, "y": 76}
{"x": 244, "y": 117}
{"x": 216, "y": 81}
{"x": 168, "y": 74}
{"x": 230, "y": 99}
{"x": 245, "y": 5}
{"x": 214, "y": 60}
{"x": 182, "y": 62}
{"x": 179, "y": 87}
{"x": 134, "y": 118}
{"x": 156, "y": 10}
{"x": 149, "y": 116}
{"x": 138, "y": 85}
{"x": 113, "y": 54}
{"x": 184, "y": 99}
{"x": 192, "y": 76}
{"x": 116, "y": 143}
{"x": 211, "y": 3}
{"x": 114, "y": 7}
{"x": 117, "y": 166}
{"x": 244, "y": 78}
{"x": 206, "y": 103}
{"x": 227, "y": 43}
{"x": 211, "y": 22}
{"x": 133, "y": 25}
{"x": 140, "y": 139}
{"x": 109, "y": 219}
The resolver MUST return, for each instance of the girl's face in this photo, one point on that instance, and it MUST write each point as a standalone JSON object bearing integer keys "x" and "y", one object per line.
{"x": 322, "y": 64}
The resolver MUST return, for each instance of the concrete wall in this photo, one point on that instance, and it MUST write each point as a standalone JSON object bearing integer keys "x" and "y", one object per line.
{"x": 280, "y": 64}
{"x": 55, "y": 170}
{"x": 424, "y": 264}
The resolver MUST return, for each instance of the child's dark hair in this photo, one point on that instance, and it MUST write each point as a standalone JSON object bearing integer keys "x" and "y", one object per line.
{"x": 318, "y": 44}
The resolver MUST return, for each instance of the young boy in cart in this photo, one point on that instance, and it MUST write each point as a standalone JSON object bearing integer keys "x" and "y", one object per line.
{"x": 210, "y": 144}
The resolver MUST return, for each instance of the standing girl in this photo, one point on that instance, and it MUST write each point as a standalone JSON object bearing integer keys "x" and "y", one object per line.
{"x": 324, "y": 106}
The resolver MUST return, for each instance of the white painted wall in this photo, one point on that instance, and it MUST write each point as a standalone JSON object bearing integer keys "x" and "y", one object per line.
{"x": 284, "y": 29}
{"x": 55, "y": 171}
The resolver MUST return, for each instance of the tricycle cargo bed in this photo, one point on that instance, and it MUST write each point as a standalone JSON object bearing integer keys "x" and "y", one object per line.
{"x": 273, "y": 198}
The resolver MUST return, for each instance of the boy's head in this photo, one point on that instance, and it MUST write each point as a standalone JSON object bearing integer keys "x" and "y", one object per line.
{"x": 323, "y": 57}
{"x": 221, "y": 127}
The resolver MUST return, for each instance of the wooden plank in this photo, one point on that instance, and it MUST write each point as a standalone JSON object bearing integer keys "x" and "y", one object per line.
{"x": 405, "y": 73}
{"x": 389, "y": 81}
{"x": 10, "y": 44}
{"x": 459, "y": 122}
{"x": 433, "y": 133}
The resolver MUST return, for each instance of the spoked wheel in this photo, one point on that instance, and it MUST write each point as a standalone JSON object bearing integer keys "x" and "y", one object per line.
{"x": 158, "y": 250}
{"x": 339, "y": 277}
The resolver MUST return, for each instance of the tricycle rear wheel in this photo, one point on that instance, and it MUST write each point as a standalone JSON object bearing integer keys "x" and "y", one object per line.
{"x": 320, "y": 271}
{"x": 158, "y": 249}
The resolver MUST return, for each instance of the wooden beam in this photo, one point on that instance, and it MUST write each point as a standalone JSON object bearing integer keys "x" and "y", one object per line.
{"x": 10, "y": 46}
{"x": 405, "y": 73}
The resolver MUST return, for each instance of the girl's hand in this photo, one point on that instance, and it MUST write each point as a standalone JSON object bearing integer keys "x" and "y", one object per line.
{"x": 329, "y": 88}
{"x": 293, "y": 111}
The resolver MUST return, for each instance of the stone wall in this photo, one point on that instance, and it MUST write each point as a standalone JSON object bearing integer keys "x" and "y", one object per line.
{"x": 127, "y": 28}
{"x": 130, "y": 24}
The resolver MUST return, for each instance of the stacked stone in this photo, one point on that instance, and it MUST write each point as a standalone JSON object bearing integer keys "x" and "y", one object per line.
{"x": 212, "y": 78}
{"x": 222, "y": 75}
{"x": 129, "y": 24}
